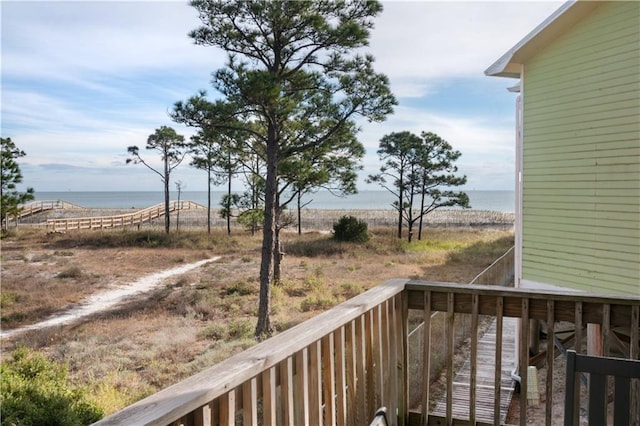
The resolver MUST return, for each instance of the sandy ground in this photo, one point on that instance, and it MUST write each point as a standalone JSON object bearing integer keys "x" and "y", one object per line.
{"x": 107, "y": 299}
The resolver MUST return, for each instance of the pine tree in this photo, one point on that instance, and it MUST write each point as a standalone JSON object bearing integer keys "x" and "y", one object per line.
{"x": 11, "y": 198}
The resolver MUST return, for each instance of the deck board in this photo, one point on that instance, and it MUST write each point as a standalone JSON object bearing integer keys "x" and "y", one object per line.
{"x": 484, "y": 378}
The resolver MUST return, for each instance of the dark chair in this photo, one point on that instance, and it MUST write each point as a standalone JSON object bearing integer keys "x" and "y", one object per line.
{"x": 599, "y": 368}
{"x": 381, "y": 418}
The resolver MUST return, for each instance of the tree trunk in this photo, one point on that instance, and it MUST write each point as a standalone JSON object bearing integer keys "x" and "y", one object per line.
{"x": 400, "y": 200}
{"x": 421, "y": 215}
{"x": 299, "y": 214}
{"x": 263, "y": 328}
{"x": 209, "y": 201}
{"x": 410, "y": 220}
{"x": 277, "y": 258}
{"x": 167, "y": 219}
{"x": 229, "y": 204}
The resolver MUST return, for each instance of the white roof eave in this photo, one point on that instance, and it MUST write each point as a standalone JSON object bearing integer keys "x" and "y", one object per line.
{"x": 508, "y": 64}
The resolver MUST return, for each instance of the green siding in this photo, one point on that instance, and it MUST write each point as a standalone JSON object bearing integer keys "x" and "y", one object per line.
{"x": 581, "y": 155}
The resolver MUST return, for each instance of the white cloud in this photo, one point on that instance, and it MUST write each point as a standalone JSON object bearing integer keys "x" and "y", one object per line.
{"x": 415, "y": 42}
{"x": 82, "y": 80}
{"x": 71, "y": 40}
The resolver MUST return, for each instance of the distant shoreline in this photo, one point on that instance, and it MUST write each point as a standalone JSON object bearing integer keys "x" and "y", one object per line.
{"x": 311, "y": 219}
{"x": 503, "y": 201}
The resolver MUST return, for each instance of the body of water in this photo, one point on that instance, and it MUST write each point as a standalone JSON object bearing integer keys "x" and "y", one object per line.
{"x": 502, "y": 201}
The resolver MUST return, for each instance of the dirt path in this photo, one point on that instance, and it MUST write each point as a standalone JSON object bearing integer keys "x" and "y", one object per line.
{"x": 108, "y": 299}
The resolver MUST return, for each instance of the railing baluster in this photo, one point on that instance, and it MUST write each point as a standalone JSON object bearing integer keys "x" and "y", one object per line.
{"x": 351, "y": 372}
{"x": 228, "y": 408}
{"x": 497, "y": 378}
{"x": 214, "y": 415}
{"x": 250, "y": 403}
{"x": 286, "y": 391}
{"x": 474, "y": 358}
{"x": 394, "y": 358}
{"x": 328, "y": 379}
{"x": 449, "y": 331}
{"x": 378, "y": 358}
{"x": 550, "y": 357}
{"x": 370, "y": 368}
{"x": 386, "y": 354}
{"x": 404, "y": 357}
{"x": 360, "y": 407}
{"x": 524, "y": 359}
{"x": 426, "y": 357}
{"x": 634, "y": 353}
{"x": 301, "y": 387}
{"x": 606, "y": 329}
{"x": 269, "y": 396}
{"x": 341, "y": 378}
{"x": 315, "y": 383}
{"x": 578, "y": 325}
{"x": 202, "y": 416}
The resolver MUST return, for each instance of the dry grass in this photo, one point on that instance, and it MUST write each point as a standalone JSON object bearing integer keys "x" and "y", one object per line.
{"x": 197, "y": 319}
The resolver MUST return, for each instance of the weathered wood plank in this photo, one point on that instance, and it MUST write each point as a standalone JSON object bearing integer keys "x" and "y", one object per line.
{"x": 550, "y": 357}
{"x": 328, "y": 385}
{"x": 269, "y": 393}
{"x": 250, "y": 403}
{"x": 449, "y": 330}
{"x": 524, "y": 358}
{"x": 315, "y": 381}
{"x": 286, "y": 391}
{"x": 426, "y": 357}
{"x": 341, "y": 377}
{"x": 474, "y": 358}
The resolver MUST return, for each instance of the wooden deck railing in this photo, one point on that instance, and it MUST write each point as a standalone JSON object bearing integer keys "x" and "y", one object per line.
{"x": 341, "y": 366}
{"x": 35, "y": 207}
{"x": 499, "y": 272}
{"x": 612, "y": 313}
{"x": 127, "y": 219}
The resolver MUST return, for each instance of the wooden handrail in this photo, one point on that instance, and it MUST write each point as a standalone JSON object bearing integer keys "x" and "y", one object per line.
{"x": 35, "y": 207}
{"x": 126, "y": 219}
{"x": 339, "y": 367}
{"x": 293, "y": 359}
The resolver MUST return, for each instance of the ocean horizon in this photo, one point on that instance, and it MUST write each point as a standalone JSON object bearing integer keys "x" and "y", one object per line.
{"x": 501, "y": 201}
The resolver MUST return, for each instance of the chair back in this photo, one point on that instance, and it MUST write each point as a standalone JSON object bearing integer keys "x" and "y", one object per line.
{"x": 599, "y": 368}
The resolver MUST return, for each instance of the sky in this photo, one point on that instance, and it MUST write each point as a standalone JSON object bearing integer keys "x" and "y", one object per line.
{"x": 83, "y": 80}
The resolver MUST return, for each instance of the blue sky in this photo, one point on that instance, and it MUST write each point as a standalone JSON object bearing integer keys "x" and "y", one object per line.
{"x": 83, "y": 80}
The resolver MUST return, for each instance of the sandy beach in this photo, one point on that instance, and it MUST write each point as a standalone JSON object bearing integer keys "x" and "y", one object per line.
{"x": 311, "y": 219}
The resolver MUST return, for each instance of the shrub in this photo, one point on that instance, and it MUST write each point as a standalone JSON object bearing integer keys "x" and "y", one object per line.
{"x": 35, "y": 391}
{"x": 318, "y": 302}
{"x": 240, "y": 329}
{"x": 241, "y": 288}
{"x": 350, "y": 290}
{"x": 350, "y": 229}
{"x": 71, "y": 272}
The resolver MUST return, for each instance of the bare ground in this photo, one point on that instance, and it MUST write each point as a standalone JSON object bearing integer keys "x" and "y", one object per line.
{"x": 198, "y": 318}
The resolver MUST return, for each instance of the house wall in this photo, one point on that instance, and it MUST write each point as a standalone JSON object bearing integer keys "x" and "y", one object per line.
{"x": 581, "y": 155}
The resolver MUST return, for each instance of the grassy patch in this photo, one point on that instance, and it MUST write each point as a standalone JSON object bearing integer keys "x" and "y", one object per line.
{"x": 8, "y": 299}
{"x": 318, "y": 302}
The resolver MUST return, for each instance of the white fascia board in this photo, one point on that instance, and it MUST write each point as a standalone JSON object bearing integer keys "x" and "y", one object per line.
{"x": 505, "y": 66}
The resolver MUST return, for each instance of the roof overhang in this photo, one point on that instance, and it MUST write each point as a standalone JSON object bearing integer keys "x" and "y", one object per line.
{"x": 510, "y": 64}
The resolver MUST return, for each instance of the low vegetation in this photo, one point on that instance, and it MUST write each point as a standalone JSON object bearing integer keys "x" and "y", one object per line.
{"x": 35, "y": 391}
{"x": 350, "y": 229}
{"x": 201, "y": 317}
